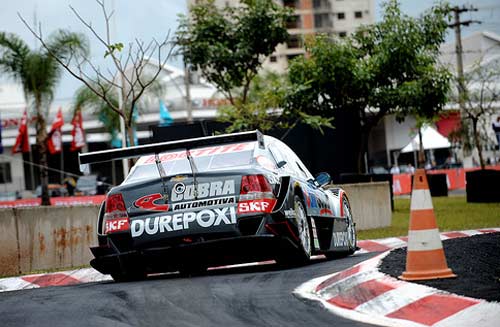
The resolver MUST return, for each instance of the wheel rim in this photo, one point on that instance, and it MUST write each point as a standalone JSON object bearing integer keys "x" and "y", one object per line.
{"x": 351, "y": 232}
{"x": 303, "y": 227}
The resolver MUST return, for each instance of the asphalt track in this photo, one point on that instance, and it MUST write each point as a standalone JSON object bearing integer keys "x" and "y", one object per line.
{"x": 248, "y": 296}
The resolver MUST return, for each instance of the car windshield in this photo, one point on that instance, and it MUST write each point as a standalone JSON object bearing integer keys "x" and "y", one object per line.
{"x": 205, "y": 159}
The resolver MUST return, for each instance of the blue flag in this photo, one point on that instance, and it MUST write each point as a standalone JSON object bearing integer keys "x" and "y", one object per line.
{"x": 165, "y": 117}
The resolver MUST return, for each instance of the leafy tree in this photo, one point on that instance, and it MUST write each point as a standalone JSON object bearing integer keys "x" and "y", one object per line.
{"x": 386, "y": 68}
{"x": 481, "y": 92}
{"x": 229, "y": 45}
{"x": 39, "y": 73}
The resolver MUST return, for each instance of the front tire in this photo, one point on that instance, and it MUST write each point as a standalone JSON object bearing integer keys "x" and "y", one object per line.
{"x": 351, "y": 228}
{"x": 351, "y": 234}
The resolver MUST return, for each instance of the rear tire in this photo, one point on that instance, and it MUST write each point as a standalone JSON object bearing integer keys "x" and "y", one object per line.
{"x": 304, "y": 235}
{"x": 132, "y": 274}
{"x": 193, "y": 269}
{"x": 128, "y": 276}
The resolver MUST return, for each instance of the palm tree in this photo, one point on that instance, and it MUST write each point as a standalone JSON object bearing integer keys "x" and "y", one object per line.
{"x": 39, "y": 73}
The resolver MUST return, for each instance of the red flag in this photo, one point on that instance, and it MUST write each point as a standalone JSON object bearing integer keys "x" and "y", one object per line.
{"x": 55, "y": 136}
{"x": 23, "y": 139}
{"x": 77, "y": 132}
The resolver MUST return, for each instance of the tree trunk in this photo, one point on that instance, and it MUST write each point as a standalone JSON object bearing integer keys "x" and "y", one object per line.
{"x": 421, "y": 151}
{"x": 477, "y": 141}
{"x": 363, "y": 148}
{"x": 41, "y": 142}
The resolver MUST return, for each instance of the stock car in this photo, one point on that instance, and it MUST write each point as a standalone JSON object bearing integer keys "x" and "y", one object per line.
{"x": 194, "y": 203}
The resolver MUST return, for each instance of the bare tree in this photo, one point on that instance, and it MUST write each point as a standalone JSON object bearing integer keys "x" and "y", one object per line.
{"x": 480, "y": 97}
{"x": 135, "y": 68}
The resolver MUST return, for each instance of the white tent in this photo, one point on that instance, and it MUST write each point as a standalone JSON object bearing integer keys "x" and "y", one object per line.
{"x": 431, "y": 139}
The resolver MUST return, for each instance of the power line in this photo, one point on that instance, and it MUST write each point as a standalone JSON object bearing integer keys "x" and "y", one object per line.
{"x": 456, "y": 25}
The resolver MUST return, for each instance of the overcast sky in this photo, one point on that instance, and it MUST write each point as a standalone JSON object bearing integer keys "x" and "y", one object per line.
{"x": 145, "y": 19}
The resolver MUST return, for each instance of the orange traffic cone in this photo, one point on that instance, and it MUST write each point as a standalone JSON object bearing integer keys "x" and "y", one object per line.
{"x": 425, "y": 258}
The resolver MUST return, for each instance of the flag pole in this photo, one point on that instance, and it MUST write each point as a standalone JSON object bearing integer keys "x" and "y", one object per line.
{"x": 32, "y": 171}
{"x": 62, "y": 161}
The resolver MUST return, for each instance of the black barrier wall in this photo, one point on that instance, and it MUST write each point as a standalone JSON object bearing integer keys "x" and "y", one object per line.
{"x": 332, "y": 151}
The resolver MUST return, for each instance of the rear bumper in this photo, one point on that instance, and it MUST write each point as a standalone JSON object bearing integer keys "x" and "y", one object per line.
{"x": 211, "y": 253}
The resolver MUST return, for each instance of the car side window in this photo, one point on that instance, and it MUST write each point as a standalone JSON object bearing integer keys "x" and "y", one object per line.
{"x": 293, "y": 161}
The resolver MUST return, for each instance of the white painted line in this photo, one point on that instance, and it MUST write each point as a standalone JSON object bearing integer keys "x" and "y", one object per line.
{"x": 392, "y": 242}
{"x": 484, "y": 314}
{"x": 87, "y": 275}
{"x": 15, "y": 283}
{"x": 424, "y": 240}
{"x": 395, "y": 299}
{"x": 421, "y": 200}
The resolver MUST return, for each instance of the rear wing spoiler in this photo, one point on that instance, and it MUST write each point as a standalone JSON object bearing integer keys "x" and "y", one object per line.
{"x": 156, "y": 148}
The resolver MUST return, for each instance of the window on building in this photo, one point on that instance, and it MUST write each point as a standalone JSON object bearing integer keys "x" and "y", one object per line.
{"x": 321, "y": 4}
{"x": 5, "y": 174}
{"x": 340, "y": 15}
{"x": 293, "y": 22}
{"x": 358, "y": 14}
{"x": 322, "y": 20}
{"x": 342, "y": 34}
{"x": 273, "y": 59}
{"x": 295, "y": 41}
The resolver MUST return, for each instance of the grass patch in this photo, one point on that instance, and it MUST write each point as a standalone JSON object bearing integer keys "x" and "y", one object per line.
{"x": 452, "y": 213}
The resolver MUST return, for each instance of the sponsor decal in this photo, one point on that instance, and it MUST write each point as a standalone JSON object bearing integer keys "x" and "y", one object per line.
{"x": 149, "y": 202}
{"x": 256, "y": 206}
{"x": 182, "y": 221}
{"x": 179, "y": 188}
{"x": 290, "y": 213}
{"x": 204, "y": 190}
{"x": 200, "y": 152}
{"x": 339, "y": 239}
{"x": 203, "y": 203}
{"x": 116, "y": 225}
{"x": 326, "y": 212}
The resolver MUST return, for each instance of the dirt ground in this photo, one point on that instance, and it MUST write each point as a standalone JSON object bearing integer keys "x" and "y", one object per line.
{"x": 475, "y": 260}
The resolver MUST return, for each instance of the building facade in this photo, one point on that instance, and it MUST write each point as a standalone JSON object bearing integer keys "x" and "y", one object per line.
{"x": 331, "y": 17}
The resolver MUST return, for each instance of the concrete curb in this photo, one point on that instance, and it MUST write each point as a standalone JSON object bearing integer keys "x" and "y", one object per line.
{"x": 365, "y": 294}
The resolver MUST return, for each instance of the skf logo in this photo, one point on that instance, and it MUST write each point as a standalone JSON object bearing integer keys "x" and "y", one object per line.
{"x": 256, "y": 206}
{"x": 150, "y": 202}
{"x": 116, "y": 225}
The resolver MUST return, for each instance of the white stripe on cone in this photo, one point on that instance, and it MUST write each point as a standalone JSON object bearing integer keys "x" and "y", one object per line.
{"x": 421, "y": 200}
{"x": 424, "y": 240}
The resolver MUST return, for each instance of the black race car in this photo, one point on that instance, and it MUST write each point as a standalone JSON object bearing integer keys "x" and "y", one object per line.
{"x": 190, "y": 204}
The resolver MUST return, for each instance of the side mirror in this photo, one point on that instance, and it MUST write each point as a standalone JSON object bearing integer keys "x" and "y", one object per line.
{"x": 323, "y": 178}
{"x": 281, "y": 163}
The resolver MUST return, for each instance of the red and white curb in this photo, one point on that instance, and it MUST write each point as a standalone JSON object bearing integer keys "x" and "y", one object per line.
{"x": 363, "y": 293}
{"x": 78, "y": 276}
{"x": 385, "y": 244}
{"x": 87, "y": 275}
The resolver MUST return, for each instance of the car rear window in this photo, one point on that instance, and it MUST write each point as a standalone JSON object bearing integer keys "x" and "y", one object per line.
{"x": 205, "y": 159}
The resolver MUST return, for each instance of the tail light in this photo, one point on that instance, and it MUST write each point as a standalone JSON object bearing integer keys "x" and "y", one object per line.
{"x": 256, "y": 195}
{"x": 115, "y": 216}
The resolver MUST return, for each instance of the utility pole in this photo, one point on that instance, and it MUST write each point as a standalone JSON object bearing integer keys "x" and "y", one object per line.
{"x": 458, "y": 48}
